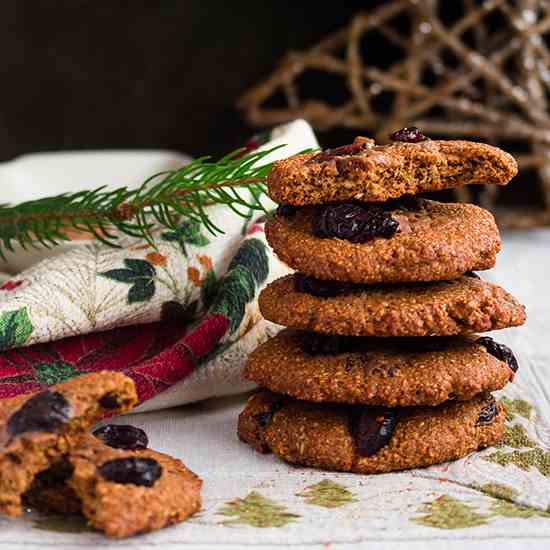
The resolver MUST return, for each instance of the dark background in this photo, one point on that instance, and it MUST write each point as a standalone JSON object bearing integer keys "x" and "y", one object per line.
{"x": 80, "y": 74}
{"x": 165, "y": 74}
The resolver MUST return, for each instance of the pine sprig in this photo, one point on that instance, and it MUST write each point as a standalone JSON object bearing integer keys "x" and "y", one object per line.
{"x": 236, "y": 181}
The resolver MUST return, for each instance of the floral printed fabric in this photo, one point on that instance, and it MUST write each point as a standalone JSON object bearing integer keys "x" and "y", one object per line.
{"x": 190, "y": 301}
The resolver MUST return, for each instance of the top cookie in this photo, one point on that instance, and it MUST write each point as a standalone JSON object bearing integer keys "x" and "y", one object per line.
{"x": 366, "y": 172}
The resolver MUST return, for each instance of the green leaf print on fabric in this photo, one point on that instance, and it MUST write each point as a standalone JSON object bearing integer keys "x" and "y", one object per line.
{"x": 257, "y": 511}
{"x": 447, "y": 512}
{"x": 138, "y": 273}
{"x": 525, "y": 460}
{"x": 516, "y": 436}
{"x": 253, "y": 255}
{"x": 497, "y": 490}
{"x": 54, "y": 373}
{"x": 15, "y": 328}
{"x": 516, "y": 407}
{"x": 248, "y": 270}
{"x": 504, "y": 505}
{"x": 237, "y": 289}
{"x": 327, "y": 494}
{"x": 189, "y": 232}
{"x": 512, "y": 510}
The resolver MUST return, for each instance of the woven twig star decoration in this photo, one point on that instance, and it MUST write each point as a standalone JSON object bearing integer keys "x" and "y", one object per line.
{"x": 482, "y": 73}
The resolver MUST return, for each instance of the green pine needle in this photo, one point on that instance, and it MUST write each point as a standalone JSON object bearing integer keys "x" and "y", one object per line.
{"x": 162, "y": 200}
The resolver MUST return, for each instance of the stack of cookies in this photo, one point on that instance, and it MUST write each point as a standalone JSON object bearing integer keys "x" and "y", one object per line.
{"x": 381, "y": 367}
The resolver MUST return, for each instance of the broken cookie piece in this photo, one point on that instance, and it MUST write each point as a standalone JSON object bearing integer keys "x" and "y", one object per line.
{"x": 126, "y": 492}
{"x": 121, "y": 487}
{"x": 36, "y": 430}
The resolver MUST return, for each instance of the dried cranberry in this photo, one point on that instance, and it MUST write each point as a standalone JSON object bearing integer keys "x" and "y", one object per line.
{"x": 45, "y": 412}
{"x": 355, "y": 223}
{"x": 315, "y": 343}
{"x": 122, "y": 436}
{"x": 318, "y": 287}
{"x": 133, "y": 469}
{"x": 488, "y": 413}
{"x": 500, "y": 351}
{"x": 343, "y": 151}
{"x": 412, "y": 134}
{"x": 373, "y": 428}
{"x": 109, "y": 401}
{"x": 286, "y": 210}
{"x": 265, "y": 418}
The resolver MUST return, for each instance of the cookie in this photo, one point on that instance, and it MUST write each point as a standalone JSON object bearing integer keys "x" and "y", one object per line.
{"x": 369, "y": 440}
{"x": 36, "y": 430}
{"x": 126, "y": 492}
{"x": 50, "y": 491}
{"x": 367, "y": 172}
{"x": 376, "y": 371}
{"x": 433, "y": 241}
{"x": 462, "y": 306}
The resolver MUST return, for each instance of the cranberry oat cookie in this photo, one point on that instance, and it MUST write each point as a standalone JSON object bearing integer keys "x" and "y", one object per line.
{"x": 366, "y": 172}
{"x": 373, "y": 371}
{"x": 432, "y": 241}
{"x": 36, "y": 430}
{"x": 442, "y": 308}
{"x": 126, "y": 492}
{"x": 369, "y": 440}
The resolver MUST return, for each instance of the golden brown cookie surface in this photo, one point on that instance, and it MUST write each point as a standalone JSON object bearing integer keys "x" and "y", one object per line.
{"x": 462, "y": 306}
{"x": 373, "y": 371}
{"x": 435, "y": 241}
{"x": 37, "y": 429}
{"x": 367, "y": 172}
{"x": 350, "y": 438}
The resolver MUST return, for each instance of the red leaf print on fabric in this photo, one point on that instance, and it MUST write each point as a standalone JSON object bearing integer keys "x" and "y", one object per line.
{"x": 155, "y": 356}
{"x": 203, "y": 339}
{"x": 13, "y": 388}
{"x": 11, "y": 285}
